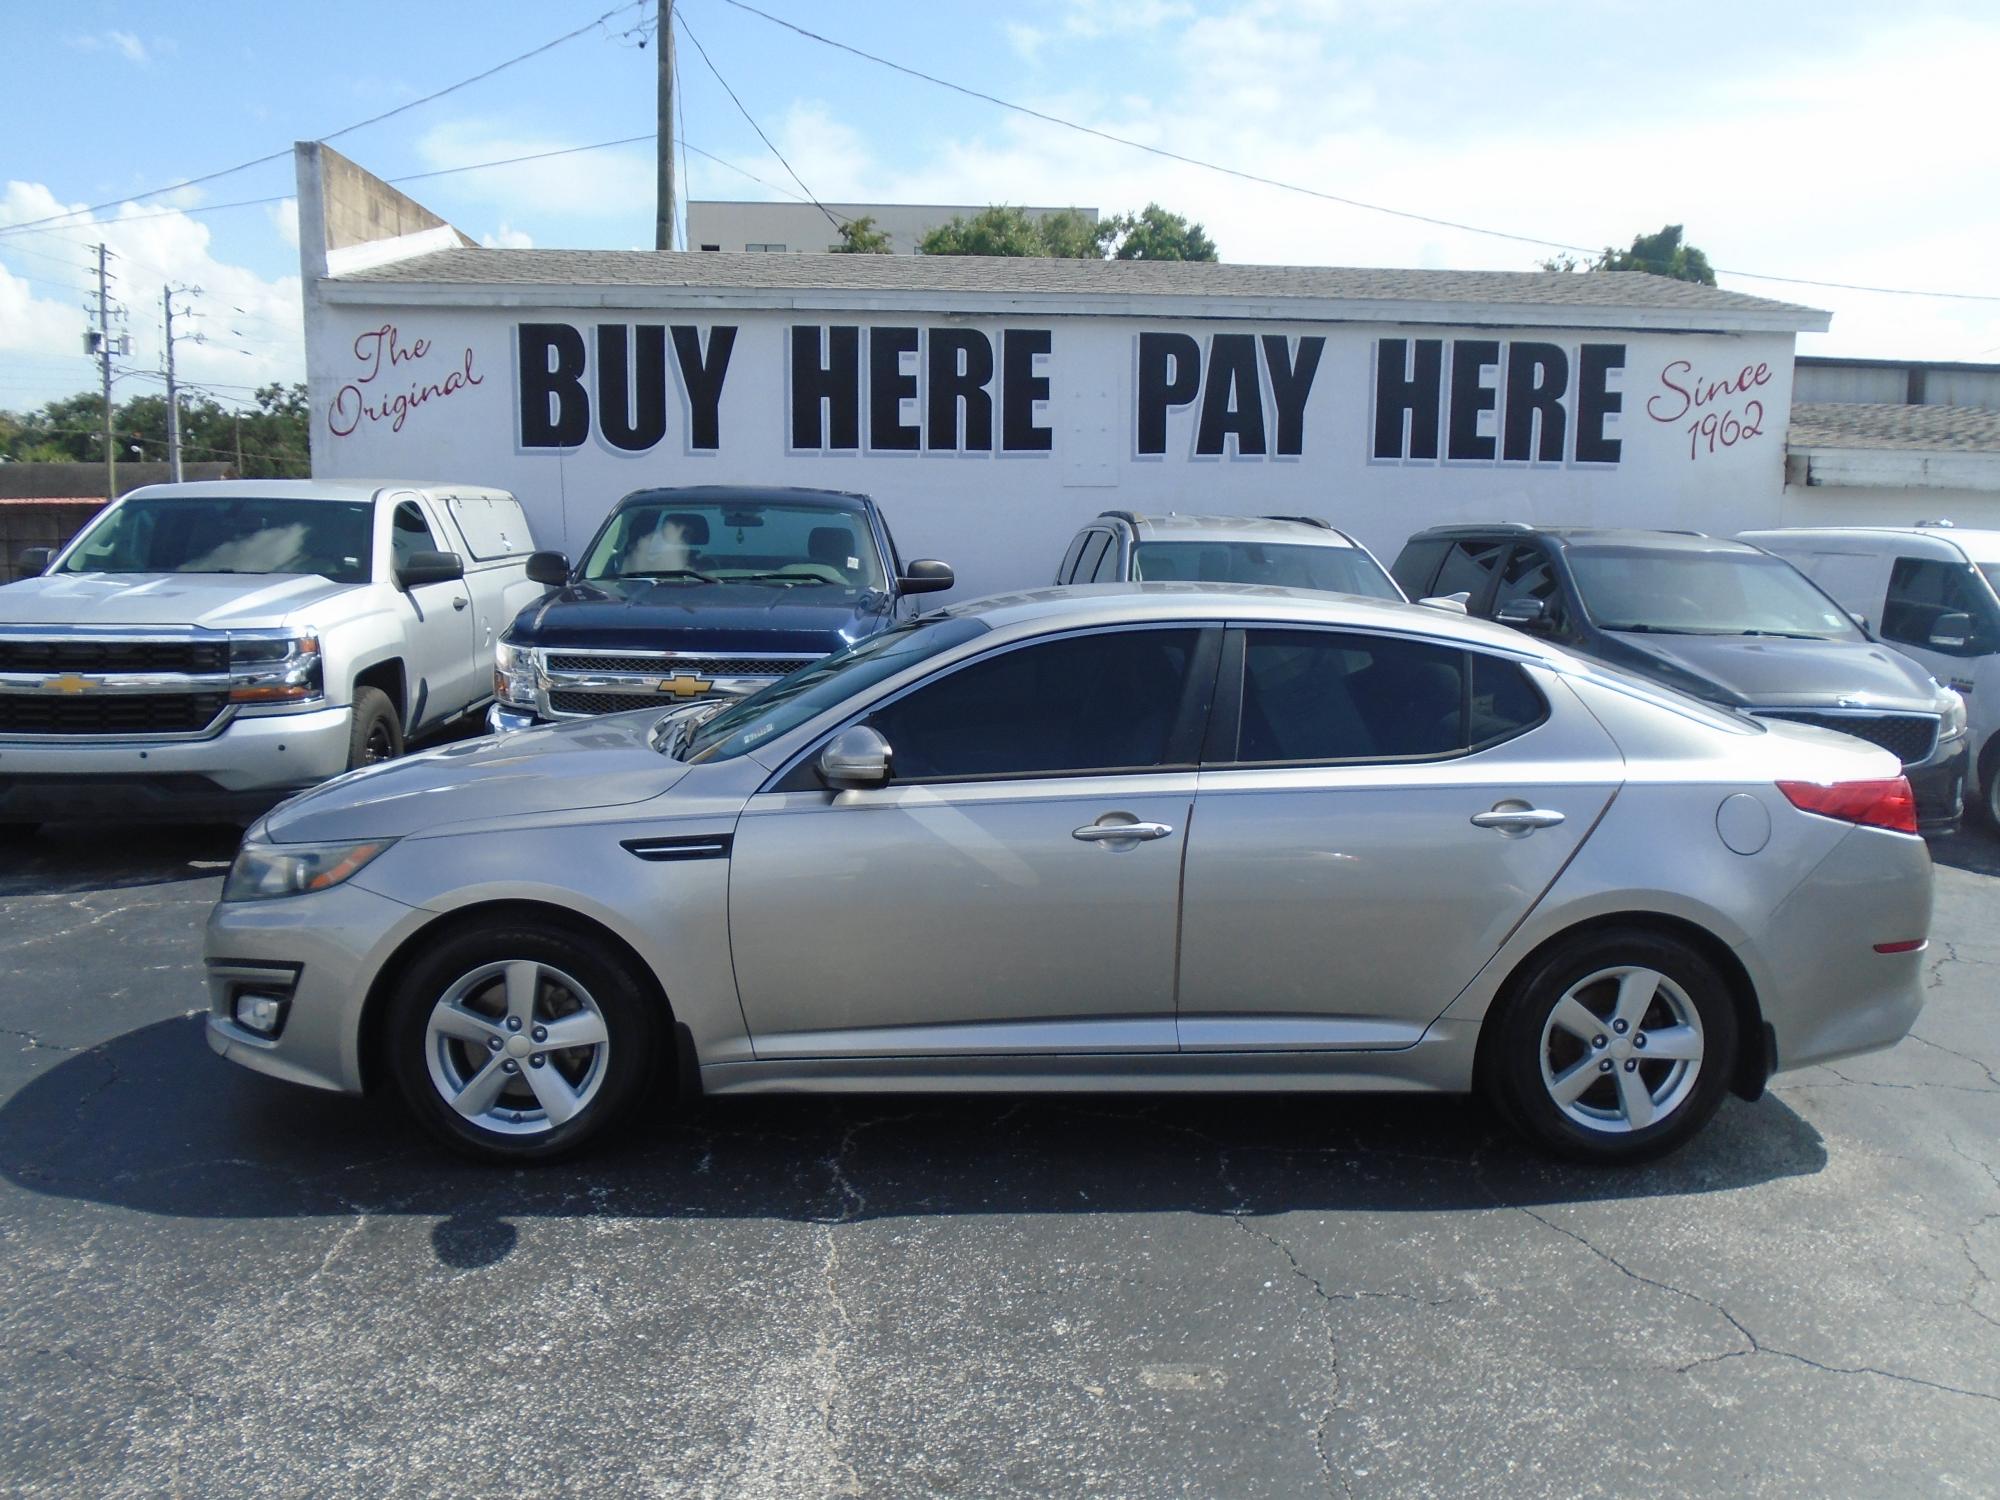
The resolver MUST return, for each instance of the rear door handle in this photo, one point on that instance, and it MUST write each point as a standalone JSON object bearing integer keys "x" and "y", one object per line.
{"x": 1103, "y": 833}
{"x": 1517, "y": 818}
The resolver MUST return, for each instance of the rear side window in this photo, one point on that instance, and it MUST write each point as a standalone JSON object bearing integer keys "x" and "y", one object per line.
{"x": 1103, "y": 702}
{"x": 1107, "y": 563}
{"x": 493, "y": 526}
{"x": 1468, "y": 569}
{"x": 1066, "y": 571}
{"x": 1094, "y": 543}
{"x": 1312, "y": 696}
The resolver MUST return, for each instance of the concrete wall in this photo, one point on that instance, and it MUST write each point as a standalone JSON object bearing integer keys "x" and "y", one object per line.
{"x": 802, "y": 227}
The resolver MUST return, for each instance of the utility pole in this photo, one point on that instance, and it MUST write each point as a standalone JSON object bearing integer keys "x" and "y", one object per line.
{"x": 104, "y": 358}
{"x": 173, "y": 391}
{"x": 663, "y": 217}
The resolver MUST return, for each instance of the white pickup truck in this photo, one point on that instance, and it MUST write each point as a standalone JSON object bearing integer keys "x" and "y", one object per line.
{"x": 200, "y": 651}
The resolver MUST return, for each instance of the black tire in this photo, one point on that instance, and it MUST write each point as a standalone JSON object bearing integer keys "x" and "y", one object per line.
{"x": 426, "y": 1064}
{"x": 1596, "y": 1126}
{"x": 375, "y": 733}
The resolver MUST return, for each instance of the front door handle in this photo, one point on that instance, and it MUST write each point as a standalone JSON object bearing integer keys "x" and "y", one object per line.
{"x": 1517, "y": 817}
{"x": 458, "y": 602}
{"x": 1104, "y": 833}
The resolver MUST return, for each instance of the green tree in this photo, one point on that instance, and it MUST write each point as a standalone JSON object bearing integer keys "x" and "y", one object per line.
{"x": 270, "y": 434}
{"x": 1155, "y": 234}
{"x": 1000, "y": 230}
{"x": 1662, "y": 254}
{"x": 861, "y": 237}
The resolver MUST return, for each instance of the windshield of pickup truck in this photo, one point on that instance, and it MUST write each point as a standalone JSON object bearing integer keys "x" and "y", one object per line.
{"x": 736, "y": 542}
{"x": 1339, "y": 570}
{"x": 1704, "y": 593}
{"x": 790, "y": 701}
{"x": 228, "y": 534}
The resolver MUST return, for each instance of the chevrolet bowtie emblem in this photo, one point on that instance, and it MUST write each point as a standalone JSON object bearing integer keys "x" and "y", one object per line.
{"x": 69, "y": 682}
{"x": 686, "y": 685}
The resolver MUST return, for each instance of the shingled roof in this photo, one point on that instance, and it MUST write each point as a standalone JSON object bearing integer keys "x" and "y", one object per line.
{"x": 1932, "y": 429}
{"x": 1597, "y": 292}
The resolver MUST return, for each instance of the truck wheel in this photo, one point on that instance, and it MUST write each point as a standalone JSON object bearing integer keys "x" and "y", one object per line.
{"x": 374, "y": 733}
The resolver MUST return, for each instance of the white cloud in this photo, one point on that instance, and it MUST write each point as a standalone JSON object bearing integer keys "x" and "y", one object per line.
{"x": 126, "y": 44}
{"x": 284, "y": 218}
{"x": 506, "y": 237}
{"x": 251, "y": 325}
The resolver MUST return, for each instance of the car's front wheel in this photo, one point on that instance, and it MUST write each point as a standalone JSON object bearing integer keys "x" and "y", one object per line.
{"x": 1615, "y": 1046}
{"x": 520, "y": 1041}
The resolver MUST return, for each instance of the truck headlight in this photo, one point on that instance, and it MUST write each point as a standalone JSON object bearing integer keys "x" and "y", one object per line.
{"x": 264, "y": 871}
{"x": 278, "y": 668}
{"x": 514, "y": 675}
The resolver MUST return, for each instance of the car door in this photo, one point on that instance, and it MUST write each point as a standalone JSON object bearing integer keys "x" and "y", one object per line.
{"x": 1374, "y": 815}
{"x": 1924, "y": 591}
{"x": 445, "y": 668}
{"x": 986, "y": 900}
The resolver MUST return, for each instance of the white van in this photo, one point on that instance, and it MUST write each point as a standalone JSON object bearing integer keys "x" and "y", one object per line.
{"x": 1929, "y": 590}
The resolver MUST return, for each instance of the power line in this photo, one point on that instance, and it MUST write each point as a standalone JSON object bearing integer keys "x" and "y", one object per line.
{"x": 831, "y": 218}
{"x": 1292, "y": 187}
{"x": 345, "y": 129}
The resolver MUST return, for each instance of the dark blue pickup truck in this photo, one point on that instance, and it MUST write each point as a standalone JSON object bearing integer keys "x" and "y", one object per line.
{"x": 705, "y": 592}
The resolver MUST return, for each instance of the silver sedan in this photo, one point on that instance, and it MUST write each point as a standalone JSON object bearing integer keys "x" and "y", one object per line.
{"x": 1138, "y": 837}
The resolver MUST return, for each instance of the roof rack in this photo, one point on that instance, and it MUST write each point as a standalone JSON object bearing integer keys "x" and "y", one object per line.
{"x": 1131, "y": 518}
{"x": 1305, "y": 521}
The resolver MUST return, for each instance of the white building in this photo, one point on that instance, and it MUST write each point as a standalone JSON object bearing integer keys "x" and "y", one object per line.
{"x": 792, "y": 228}
{"x": 993, "y": 405}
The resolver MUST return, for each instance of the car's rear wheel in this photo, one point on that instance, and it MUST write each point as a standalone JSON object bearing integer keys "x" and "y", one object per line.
{"x": 519, "y": 1042}
{"x": 1615, "y": 1046}
{"x": 374, "y": 734}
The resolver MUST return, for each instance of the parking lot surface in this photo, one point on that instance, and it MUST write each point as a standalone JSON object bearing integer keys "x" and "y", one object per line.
{"x": 215, "y": 1282}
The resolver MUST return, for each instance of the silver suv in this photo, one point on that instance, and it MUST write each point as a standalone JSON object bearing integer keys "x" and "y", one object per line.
{"x": 1297, "y": 552}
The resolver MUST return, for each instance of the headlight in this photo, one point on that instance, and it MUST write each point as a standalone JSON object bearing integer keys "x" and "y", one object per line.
{"x": 514, "y": 675}
{"x": 263, "y": 871}
{"x": 1953, "y": 722}
{"x": 276, "y": 668}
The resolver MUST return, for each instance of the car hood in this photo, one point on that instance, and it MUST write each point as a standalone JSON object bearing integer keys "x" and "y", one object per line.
{"x": 602, "y": 762}
{"x": 212, "y": 601}
{"x": 1764, "y": 671}
{"x": 703, "y": 616}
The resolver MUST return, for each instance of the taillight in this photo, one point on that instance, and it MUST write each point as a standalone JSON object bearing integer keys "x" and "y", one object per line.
{"x": 1888, "y": 803}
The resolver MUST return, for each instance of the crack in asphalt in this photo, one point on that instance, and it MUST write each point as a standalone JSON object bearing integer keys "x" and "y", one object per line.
{"x": 1979, "y": 1063}
{"x": 1753, "y": 1344}
{"x": 1335, "y": 1474}
{"x": 35, "y": 1043}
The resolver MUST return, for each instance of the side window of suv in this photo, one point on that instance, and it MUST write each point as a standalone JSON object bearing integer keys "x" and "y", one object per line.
{"x": 1107, "y": 570}
{"x": 1107, "y": 701}
{"x": 1094, "y": 544}
{"x": 1530, "y": 574}
{"x": 1319, "y": 696}
{"x": 1921, "y": 592}
{"x": 1066, "y": 569}
{"x": 1468, "y": 569}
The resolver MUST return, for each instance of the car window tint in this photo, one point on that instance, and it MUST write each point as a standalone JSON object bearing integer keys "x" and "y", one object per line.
{"x": 1312, "y": 695}
{"x": 1106, "y": 701}
{"x": 1530, "y": 574}
{"x": 1066, "y": 572}
{"x": 1503, "y": 702}
{"x": 1106, "y": 570}
{"x": 1094, "y": 544}
{"x": 1467, "y": 569}
{"x": 410, "y": 532}
{"x": 1921, "y": 592}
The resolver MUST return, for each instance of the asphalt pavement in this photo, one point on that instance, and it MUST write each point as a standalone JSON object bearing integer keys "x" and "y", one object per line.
{"x": 216, "y": 1283}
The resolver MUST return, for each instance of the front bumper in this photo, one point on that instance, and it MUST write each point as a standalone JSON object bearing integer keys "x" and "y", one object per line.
{"x": 331, "y": 944}
{"x": 1939, "y": 787}
{"x": 255, "y": 761}
{"x": 501, "y": 718}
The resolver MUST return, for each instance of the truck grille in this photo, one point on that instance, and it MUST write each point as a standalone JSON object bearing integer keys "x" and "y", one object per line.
{"x": 561, "y": 702}
{"x": 1909, "y": 737}
{"x": 88, "y": 655}
{"x": 110, "y": 713}
{"x": 667, "y": 664}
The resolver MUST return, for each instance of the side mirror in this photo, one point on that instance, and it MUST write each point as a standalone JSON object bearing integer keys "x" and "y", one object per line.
{"x": 34, "y": 561}
{"x": 926, "y": 575}
{"x": 420, "y": 568}
{"x": 1451, "y": 604}
{"x": 857, "y": 756}
{"x": 1524, "y": 614}
{"x": 1861, "y": 620}
{"x": 550, "y": 569}
{"x": 1952, "y": 632}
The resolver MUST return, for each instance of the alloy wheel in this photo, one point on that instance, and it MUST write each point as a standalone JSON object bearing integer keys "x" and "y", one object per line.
{"x": 1621, "y": 1049}
{"x": 517, "y": 1047}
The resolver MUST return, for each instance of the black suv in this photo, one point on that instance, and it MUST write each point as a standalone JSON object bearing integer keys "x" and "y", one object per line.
{"x": 1722, "y": 620}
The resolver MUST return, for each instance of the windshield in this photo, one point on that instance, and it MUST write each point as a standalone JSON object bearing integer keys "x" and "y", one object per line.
{"x": 1704, "y": 593}
{"x": 1339, "y": 570}
{"x": 228, "y": 534}
{"x": 739, "y": 541}
{"x": 1992, "y": 572}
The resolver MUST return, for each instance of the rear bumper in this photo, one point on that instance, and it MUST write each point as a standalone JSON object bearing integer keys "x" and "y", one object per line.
{"x": 253, "y": 763}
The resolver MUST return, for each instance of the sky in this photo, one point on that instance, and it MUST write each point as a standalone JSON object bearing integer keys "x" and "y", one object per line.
{"x": 1822, "y": 141}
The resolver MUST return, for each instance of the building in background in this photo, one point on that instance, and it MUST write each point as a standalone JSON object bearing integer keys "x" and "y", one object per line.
{"x": 1875, "y": 441}
{"x": 793, "y": 228}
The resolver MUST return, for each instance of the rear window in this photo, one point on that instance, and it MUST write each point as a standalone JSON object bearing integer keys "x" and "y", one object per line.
{"x": 493, "y": 526}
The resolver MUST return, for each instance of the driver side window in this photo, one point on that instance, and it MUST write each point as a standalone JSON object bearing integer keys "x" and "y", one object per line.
{"x": 1110, "y": 701}
{"x": 409, "y": 533}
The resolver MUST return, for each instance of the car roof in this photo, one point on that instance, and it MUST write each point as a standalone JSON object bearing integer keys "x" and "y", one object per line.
{"x": 1173, "y": 526}
{"x": 1953, "y": 543}
{"x": 1143, "y": 603}
{"x": 1584, "y": 538}
{"x": 724, "y": 494}
{"x": 310, "y": 489}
